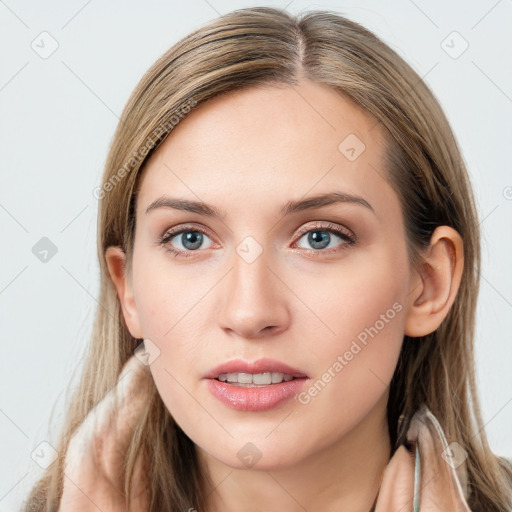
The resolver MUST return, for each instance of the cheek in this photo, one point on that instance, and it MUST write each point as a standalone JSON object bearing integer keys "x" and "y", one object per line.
{"x": 355, "y": 376}
{"x": 360, "y": 313}
{"x": 184, "y": 401}
{"x": 166, "y": 300}
{"x": 362, "y": 297}
{"x": 169, "y": 316}
{"x": 170, "y": 307}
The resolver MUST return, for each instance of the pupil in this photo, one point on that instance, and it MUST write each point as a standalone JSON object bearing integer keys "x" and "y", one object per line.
{"x": 318, "y": 241}
{"x": 194, "y": 238}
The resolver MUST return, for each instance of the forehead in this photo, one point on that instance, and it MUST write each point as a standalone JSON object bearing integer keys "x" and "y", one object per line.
{"x": 262, "y": 146}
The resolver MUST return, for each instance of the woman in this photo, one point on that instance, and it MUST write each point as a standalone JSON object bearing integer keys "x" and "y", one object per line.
{"x": 287, "y": 225}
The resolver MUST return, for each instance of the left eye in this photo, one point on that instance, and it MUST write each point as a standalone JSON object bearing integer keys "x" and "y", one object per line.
{"x": 323, "y": 238}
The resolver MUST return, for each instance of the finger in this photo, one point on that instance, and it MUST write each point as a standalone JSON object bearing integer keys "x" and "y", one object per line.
{"x": 397, "y": 488}
{"x": 117, "y": 419}
{"x": 95, "y": 454}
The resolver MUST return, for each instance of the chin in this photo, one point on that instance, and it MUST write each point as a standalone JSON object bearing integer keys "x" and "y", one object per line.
{"x": 258, "y": 455}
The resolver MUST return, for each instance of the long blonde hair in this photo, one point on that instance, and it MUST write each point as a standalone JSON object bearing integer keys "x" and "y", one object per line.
{"x": 264, "y": 46}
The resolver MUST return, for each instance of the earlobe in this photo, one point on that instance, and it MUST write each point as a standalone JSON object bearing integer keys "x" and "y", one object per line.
{"x": 434, "y": 291}
{"x": 115, "y": 258}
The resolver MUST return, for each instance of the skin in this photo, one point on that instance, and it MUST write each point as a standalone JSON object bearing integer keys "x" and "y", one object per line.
{"x": 248, "y": 153}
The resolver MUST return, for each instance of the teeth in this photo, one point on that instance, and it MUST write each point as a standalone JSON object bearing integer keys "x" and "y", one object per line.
{"x": 260, "y": 379}
{"x": 244, "y": 378}
{"x": 279, "y": 377}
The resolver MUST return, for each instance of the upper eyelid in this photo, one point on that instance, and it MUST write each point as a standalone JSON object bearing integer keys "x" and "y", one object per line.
{"x": 327, "y": 226}
{"x": 183, "y": 229}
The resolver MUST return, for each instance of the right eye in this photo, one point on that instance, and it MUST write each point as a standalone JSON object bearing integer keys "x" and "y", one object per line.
{"x": 190, "y": 238}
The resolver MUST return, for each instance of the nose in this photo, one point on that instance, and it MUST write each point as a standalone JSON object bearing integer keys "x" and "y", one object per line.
{"x": 253, "y": 301}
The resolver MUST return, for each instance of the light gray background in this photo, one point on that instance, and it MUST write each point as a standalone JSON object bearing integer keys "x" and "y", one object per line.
{"x": 58, "y": 116}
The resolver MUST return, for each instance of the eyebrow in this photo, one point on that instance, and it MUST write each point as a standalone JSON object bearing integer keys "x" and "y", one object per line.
{"x": 290, "y": 207}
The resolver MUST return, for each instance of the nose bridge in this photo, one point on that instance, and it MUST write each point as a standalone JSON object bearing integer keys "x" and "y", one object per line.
{"x": 251, "y": 276}
{"x": 251, "y": 267}
{"x": 252, "y": 300}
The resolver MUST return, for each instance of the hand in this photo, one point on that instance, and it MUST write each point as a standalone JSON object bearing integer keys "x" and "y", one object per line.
{"x": 397, "y": 488}
{"x": 93, "y": 478}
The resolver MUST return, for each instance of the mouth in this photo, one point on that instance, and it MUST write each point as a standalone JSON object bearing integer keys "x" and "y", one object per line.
{"x": 263, "y": 372}
{"x": 255, "y": 386}
{"x": 250, "y": 380}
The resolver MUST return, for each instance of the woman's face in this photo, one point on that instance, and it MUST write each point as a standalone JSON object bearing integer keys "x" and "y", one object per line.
{"x": 270, "y": 271}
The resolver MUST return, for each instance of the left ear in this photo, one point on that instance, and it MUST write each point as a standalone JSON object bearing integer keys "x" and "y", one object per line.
{"x": 434, "y": 290}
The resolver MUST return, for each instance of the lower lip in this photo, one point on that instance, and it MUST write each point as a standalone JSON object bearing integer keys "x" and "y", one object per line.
{"x": 254, "y": 398}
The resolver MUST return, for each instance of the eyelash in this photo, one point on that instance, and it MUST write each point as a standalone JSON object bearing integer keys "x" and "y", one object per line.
{"x": 328, "y": 228}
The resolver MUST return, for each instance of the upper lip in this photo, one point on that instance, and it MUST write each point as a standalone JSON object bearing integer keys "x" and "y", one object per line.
{"x": 259, "y": 366}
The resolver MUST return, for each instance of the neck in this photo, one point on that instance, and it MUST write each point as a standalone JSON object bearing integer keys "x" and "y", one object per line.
{"x": 343, "y": 476}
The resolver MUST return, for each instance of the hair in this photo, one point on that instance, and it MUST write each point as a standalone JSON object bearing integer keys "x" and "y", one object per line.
{"x": 263, "y": 46}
